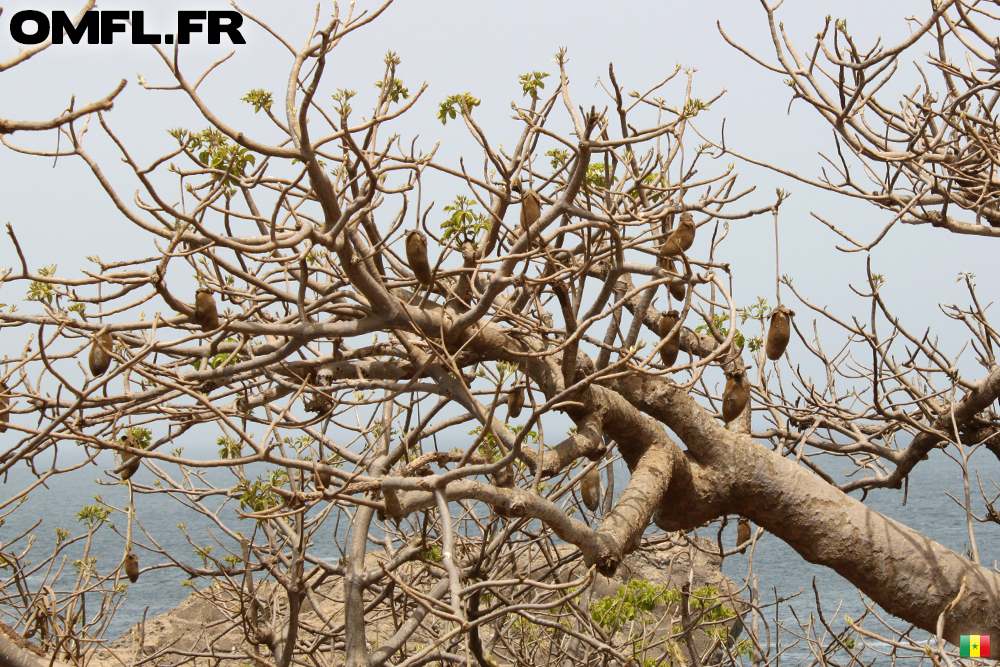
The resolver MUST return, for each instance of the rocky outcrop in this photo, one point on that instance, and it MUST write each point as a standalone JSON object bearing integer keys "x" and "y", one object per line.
{"x": 671, "y": 566}
{"x": 196, "y": 626}
{"x": 198, "y": 629}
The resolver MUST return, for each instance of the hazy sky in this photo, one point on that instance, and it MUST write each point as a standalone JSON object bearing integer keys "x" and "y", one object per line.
{"x": 61, "y": 215}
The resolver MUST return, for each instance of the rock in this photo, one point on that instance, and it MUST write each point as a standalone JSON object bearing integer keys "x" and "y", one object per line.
{"x": 669, "y": 566}
{"x": 207, "y": 622}
{"x": 192, "y": 626}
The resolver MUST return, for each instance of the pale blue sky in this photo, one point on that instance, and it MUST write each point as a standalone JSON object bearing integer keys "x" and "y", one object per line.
{"x": 61, "y": 215}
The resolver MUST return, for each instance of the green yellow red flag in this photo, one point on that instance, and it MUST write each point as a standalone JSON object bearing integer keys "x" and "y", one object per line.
{"x": 975, "y": 646}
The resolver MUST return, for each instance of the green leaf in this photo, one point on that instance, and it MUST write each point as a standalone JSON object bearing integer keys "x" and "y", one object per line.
{"x": 340, "y": 101}
{"x": 532, "y": 82}
{"x": 595, "y": 177}
{"x": 395, "y": 90}
{"x": 434, "y": 554}
{"x": 229, "y": 448}
{"x": 259, "y": 98}
{"x": 464, "y": 103}
{"x": 464, "y": 222}
{"x": 42, "y": 291}
{"x": 93, "y": 514}
{"x": 632, "y": 601}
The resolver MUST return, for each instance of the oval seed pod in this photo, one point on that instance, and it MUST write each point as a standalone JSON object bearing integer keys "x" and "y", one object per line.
{"x": 4, "y": 406}
{"x": 668, "y": 353}
{"x": 322, "y": 480}
{"x": 416, "y": 256}
{"x": 531, "y": 208}
{"x": 681, "y": 239}
{"x": 515, "y": 401}
{"x": 779, "y": 332}
{"x": 743, "y": 533}
{"x": 100, "y": 353}
{"x": 206, "y": 315}
{"x": 677, "y": 290}
{"x": 133, "y": 467}
{"x": 132, "y": 462}
{"x": 736, "y": 396}
{"x": 590, "y": 490}
{"x": 132, "y": 567}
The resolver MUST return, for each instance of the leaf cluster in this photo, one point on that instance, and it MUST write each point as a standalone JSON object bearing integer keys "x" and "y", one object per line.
{"x": 532, "y": 82}
{"x": 259, "y": 98}
{"x": 394, "y": 90}
{"x": 215, "y": 152}
{"x": 259, "y": 494}
{"x": 719, "y": 319}
{"x": 632, "y": 601}
{"x": 462, "y": 103}
{"x": 464, "y": 223}
{"x": 42, "y": 291}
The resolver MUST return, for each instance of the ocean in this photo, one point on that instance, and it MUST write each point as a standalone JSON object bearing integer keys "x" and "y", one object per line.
{"x": 780, "y": 570}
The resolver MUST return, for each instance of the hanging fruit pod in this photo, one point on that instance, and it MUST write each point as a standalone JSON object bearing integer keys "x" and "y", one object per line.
{"x": 4, "y": 406}
{"x": 100, "y": 353}
{"x": 668, "y": 353}
{"x": 206, "y": 313}
{"x": 132, "y": 462}
{"x": 677, "y": 290}
{"x": 736, "y": 396}
{"x": 132, "y": 567}
{"x": 743, "y": 533}
{"x": 515, "y": 401}
{"x": 779, "y": 332}
{"x": 680, "y": 239}
{"x": 416, "y": 256}
{"x": 590, "y": 490}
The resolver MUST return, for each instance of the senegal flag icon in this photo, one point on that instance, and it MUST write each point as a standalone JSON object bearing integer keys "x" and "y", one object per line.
{"x": 975, "y": 646}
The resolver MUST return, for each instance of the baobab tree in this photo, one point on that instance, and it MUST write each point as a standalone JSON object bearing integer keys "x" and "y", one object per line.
{"x": 570, "y": 281}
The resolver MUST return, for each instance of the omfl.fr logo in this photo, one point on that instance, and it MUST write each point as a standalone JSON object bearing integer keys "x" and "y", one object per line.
{"x": 975, "y": 646}
{"x": 31, "y": 26}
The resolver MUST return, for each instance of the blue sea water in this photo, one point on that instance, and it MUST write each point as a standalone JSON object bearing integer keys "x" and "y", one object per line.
{"x": 780, "y": 570}
{"x": 928, "y": 509}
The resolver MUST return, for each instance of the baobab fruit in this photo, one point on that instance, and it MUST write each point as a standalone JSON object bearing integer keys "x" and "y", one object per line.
{"x": 779, "y": 332}
{"x": 531, "y": 207}
{"x": 100, "y": 353}
{"x": 590, "y": 489}
{"x": 133, "y": 466}
{"x": 743, "y": 533}
{"x": 132, "y": 567}
{"x": 206, "y": 315}
{"x": 677, "y": 290}
{"x": 736, "y": 396}
{"x": 416, "y": 256}
{"x": 668, "y": 353}
{"x": 4, "y": 406}
{"x": 681, "y": 239}
{"x": 132, "y": 463}
{"x": 322, "y": 479}
{"x": 515, "y": 401}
